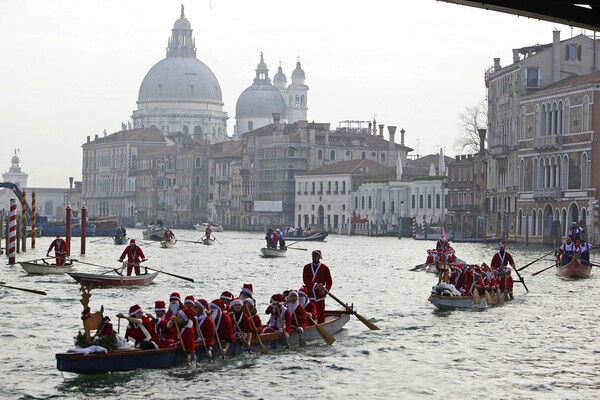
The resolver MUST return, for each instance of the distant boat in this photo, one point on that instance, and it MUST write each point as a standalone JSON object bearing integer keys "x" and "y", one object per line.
{"x": 268, "y": 252}
{"x": 154, "y": 232}
{"x": 100, "y": 280}
{"x": 202, "y": 227}
{"x": 312, "y": 237}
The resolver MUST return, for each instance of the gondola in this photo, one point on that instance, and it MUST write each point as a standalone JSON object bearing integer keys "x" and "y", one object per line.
{"x": 574, "y": 269}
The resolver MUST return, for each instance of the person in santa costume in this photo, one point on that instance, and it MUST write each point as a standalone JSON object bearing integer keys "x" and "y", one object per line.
{"x": 317, "y": 279}
{"x": 205, "y": 332}
{"x": 134, "y": 255}
{"x": 222, "y": 324}
{"x": 242, "y": 326}
{"x": 166, "y": 335}
{"x": 226, "y": 297}
{"x": 60, "y": 250}
{"x": 309, "y": 306}
{"x": 279, "y": 316}
{"x": 183, "y": 321}
{"x": 297, "y": 312}
{"x": 175, "y": 303}
{"x": 250, "y": 308}
{"x": 169, "y": 236}
{"x": 502, "y": 261}
{"x": 247, "y": 292}
{"x": 140, "y": 329}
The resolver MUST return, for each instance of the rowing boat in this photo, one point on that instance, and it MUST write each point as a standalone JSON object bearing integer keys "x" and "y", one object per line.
{"x": 313, "y": 237}
{"x": 127, "y": 360}
{"x": 36, "y": 268}
{"x": 118, "y": 240}
{"x": 154, "y": 232}
{"x": 99, "y": 280}
{"x": 268, "y": 252}
{"x": 468, "y": 302}
{"x": 574, "y": 269}
{"x": 208, "y": 242}
{"x": 168, "y": 244}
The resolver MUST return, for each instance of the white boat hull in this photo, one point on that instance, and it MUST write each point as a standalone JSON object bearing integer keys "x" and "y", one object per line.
{"x": 270, "y": 253}
{"x": 43, "y": 269}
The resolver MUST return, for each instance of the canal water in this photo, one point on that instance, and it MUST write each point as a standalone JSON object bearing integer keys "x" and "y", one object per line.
{"x": 543, "y": 345}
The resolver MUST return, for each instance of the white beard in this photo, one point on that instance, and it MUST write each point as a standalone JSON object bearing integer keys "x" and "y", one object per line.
{"x": 173, "y": 308}
{"x": 214, "y": 313}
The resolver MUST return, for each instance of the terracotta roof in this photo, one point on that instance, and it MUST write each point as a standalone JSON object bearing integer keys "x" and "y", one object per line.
{"x": 574, "y": 81}
{"x": 229, "y": 150}
{"x": 368, "y": 168}
{"x": 151, "y": 134}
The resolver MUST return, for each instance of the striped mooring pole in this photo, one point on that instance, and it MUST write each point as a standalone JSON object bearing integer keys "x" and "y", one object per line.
{"x": 414, "y": 227}
{"x": 12, "y": 232}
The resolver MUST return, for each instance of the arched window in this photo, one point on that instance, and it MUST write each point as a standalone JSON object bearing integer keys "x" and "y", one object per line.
{"x": 584, "y": 171}
{"x": 197, "y": 130}
{"x": 332, "y": 155}
{"x": 363, "y": 155}
{"x": 428, "y": 201}
{"x": 320, "y": 154}
{"x": 185, "y": 129}
{"x": 413, "y": 201}
{"x": 421, "y": 201}
{"x": 370, "y": 202}
{"x": 382, "y": 158}
{"x": 521, "y": 174}
{"x": 437, "y": 201}
{"x": 362, "y": 202}
{"x": 302, "y": 101}
{"x": 585, "y": 117}
{"x": 197, "y": 202}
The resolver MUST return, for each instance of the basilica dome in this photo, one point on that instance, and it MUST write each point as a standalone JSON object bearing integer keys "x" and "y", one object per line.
{"x": 261, "y": 99}
{"x": 180, "y": 78}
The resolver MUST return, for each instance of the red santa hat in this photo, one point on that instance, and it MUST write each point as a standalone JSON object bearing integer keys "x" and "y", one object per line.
{"x": 160, "y": 305}
{"x": 134, "y": 309}
{"x": 186, "y": 314}
{"x": 291, "y": 292}
{"x": 202, "y": 303}
{"x": 317, "y": 253}
{"x": 235, "y": 302}
{"x": 227, "y": 296}
{"x": 303, "y": 291}
{"x": 132, "y": 241}
{"x": 57, "y": 235}
{"x": 247, "y": 288}
{"x": 189, "y": 300}
{"x": 502, "y": 245}
{"x": 175, "y": 296}
{"x": 277, "y": 297}
{"x": 217, "y": 303}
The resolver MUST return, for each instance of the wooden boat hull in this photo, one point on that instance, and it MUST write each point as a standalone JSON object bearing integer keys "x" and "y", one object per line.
{"x": 267, "y": 252}
{"x": 99, "y": 280}
{"x": 168, "y": 245}
{"x": 461, "y": 302}
{"x": 208, "y": 242}
{"x": 127, "y": 360}
{"x": 574, "y": 269}
{"x": 316, "y": 237}
{"x": 35, "y": 268}
{"x": 119, "y": 240}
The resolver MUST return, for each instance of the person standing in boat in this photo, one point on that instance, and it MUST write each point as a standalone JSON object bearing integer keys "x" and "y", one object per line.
{"x": 169, "y": 235}
{"x": 118, "y": 232}
{"x": 208, "y": 232}
{"x": 60, "y": 250}
{"x": 502, "y": 261}
{"x": 575, "y": 232}
{"x": 124, "y": 231}
{"x": 134, "y": 255}
{"x": 281, "y": 240}
{"x": 271, "y": 238}
{"x": 317, "y": 279}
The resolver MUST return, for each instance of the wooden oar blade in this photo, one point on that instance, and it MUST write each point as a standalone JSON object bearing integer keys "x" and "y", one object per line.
{"x": 302, "y": 342}
{"x": 263, "y": 349}
{"x": 542, "y": 270}
{"x": 25, "y": 290}
{"x": 327, "y": 337}
{"x": 368, "y": 323}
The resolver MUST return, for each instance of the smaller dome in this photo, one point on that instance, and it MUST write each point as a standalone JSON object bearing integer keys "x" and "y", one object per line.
{"x": 259, "y": 101}
{"x": 279, "y": 76}
{"x": 298, "y": 72}
{"x": 15, "y": 159}
{"x": 182, "y": 23}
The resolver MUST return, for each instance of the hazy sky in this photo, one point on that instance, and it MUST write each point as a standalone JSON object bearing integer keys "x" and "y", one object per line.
{"x": 72, "y": 68}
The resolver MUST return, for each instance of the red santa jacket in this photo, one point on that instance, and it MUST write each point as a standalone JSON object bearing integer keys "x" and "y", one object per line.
{"x": 141, "y": 332}
{"x": 313, "y": 274}
{"x": 224, "y": 327}
{"x": 205, "y": 329}
{"x": 297, "y": 315}
{"x": 243, "y": 321}
{"x": 133, "y": 255}
{"x": 59, "y": 245}
{"x": 277, "y": 317}
{"x": 501, "y": 260}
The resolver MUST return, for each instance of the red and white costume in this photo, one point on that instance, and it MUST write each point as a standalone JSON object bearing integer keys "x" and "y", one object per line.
{"x": 186, "y": 330}
{"x": 311, "y": 276}
{"x": 134, "y": 255}
{"x": 279, "y": 320}
{"x": 61, "y": 250}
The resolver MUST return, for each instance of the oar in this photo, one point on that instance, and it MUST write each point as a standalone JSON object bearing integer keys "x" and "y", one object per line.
{"x": 327, "y": 337}
{"x": 187, "y": 241}
{"x": 301, "y": 340}
{"x": 93, "y": 265}
{"x": 542, "y": 270}
{"x": 521, "y": 279}
{"x": 295, "y": 248}
{"x": 23, "y": 289}
{"x": 285, "y": 334}
{"x": 293, "y": 243}
{"x": 362, "y": 319}
{"x": 418, "y": 267}
{"x": 245, "y": 344}
{"x": 168, "y": 273}
{"x": 180, "y": 339}
{"x": 217, "y": 336}
{"x": 98, "y": 240}
{"x": 536, "y": 260}
{"x": 263, "y": 349}
{"x": 216, "y": 239}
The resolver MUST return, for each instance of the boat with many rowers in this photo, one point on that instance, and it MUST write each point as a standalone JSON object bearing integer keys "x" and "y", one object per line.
{"x": 127, "y": 360}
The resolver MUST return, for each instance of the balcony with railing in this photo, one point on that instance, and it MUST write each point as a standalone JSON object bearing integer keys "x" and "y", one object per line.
{"x": 499, "y": 150}
{"x": 547, "y": 193}
{"x": 222, "y": 179}
{"x": 552, "y": 142}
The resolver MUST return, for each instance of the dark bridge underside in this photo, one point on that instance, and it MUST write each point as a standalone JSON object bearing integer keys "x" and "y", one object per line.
{"x": 583, "y": 14}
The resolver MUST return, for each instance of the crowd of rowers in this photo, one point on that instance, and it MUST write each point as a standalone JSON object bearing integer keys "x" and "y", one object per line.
{"x": 195, "y": 322}
{"x": 462, "y": 279}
